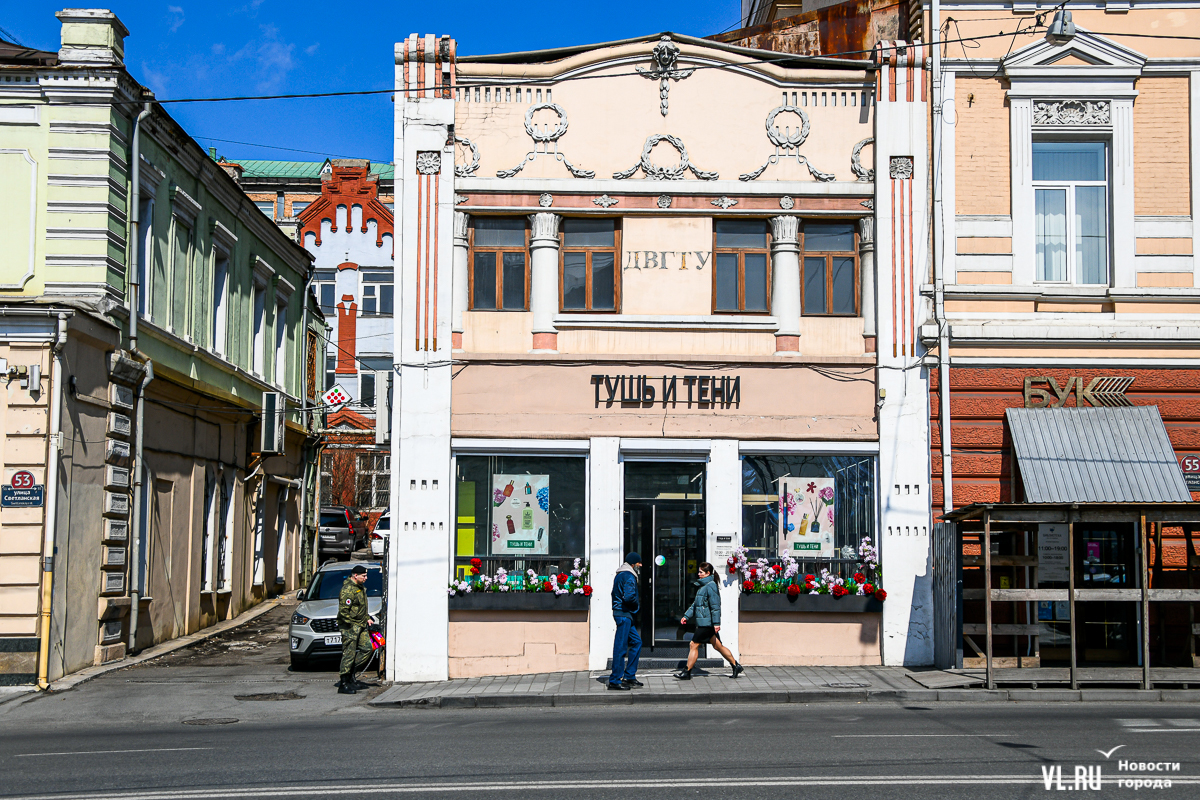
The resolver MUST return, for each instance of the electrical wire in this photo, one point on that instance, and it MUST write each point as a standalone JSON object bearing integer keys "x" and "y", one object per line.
{"x": 277, "y": 147}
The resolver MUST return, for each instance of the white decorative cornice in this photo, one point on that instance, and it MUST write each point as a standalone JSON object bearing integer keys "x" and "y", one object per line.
{"x": 283, "y": 288}
{"x": 222, "y": 238}
{"x": 184, "y": 206}
{"x": 262, "y": 270}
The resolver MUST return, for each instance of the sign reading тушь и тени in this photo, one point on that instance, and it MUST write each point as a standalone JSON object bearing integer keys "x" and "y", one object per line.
{"x": 642, "y": 391}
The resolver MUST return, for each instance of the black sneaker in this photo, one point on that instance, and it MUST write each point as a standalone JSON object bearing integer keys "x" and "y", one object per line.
{"x": 618, "y": 687}
{"x": 631, "y": 682}
{"x": 684, "y": 675}
{"x": 738, "y": 669}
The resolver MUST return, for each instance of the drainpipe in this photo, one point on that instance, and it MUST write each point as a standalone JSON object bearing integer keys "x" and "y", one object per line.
{"x": 48, "y": 534}
{"x": 134, "y": 312}
{"x": 939, "y": 283}
{"x": 304, "y": 423}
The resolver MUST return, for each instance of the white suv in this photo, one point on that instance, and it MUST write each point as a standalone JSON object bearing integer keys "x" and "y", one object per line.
{"x": 313, "y": 632}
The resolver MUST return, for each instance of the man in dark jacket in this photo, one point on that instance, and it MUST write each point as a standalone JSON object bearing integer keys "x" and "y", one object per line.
{"x": 628, "y": 642}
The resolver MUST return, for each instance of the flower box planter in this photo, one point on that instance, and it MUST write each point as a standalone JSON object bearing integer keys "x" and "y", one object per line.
{"x": 822, "y": 603}
{"x": 519, "y": 601}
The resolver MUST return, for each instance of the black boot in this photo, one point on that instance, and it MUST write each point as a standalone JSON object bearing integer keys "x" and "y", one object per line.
{"x": 360, "y": 685}
{"x": 346, "y": 685}
{"x": 684, "y": 675}
{"x": 738, "y": 669}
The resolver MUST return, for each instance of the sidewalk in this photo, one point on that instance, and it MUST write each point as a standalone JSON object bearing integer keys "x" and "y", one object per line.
{"x": 757, "y": 685}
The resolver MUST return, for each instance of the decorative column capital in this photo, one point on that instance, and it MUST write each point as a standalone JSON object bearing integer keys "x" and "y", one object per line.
{"x": 544, "y": 231}
{"x": 785, "y": 233}
{"x": 461, "y": 221}
{"x": 866, "y": 234}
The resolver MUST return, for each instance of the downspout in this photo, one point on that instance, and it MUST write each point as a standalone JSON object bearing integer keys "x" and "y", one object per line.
{"x": 48, "y": 534}
{"x": 939, "y": 283}
{"x": 135, "y": 555}
{"x": 304, "y": 423}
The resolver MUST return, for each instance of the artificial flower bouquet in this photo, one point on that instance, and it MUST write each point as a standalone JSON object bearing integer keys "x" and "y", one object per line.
{"x": 763, "y": 577}
{"x": 575, "y": 582}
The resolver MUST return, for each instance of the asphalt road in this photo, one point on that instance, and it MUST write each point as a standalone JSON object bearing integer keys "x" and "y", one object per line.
{"x": 878, "y": 751}
{"x": 226, "y": 718}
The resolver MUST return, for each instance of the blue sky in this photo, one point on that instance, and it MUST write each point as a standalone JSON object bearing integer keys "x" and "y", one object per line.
{"x": 249, "y": 47}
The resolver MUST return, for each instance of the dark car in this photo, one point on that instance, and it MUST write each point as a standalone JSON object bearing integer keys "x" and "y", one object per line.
{"x": 314, "y": 631}
{"x": 341, "y": 531}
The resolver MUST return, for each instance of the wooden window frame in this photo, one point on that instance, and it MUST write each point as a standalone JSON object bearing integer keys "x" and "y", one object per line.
{"x": 829, "y": 255}
{"x": 615, "y": 249}
{"x": 740, "y": 252}
{"x": 499, "y": 271}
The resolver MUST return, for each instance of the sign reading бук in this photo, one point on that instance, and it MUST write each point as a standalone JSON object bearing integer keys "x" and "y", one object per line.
{"x": 703, "y": 391}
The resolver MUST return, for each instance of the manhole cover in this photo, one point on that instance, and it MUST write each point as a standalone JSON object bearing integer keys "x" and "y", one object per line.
{"x": 847, "y": 685}
{"x": 288, "y": 695}
{"x": 211, "y": 721}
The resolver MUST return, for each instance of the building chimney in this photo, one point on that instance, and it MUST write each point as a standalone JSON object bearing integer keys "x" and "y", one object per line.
{"x": 91, "y": 37}
{"x": 234, "y": 170}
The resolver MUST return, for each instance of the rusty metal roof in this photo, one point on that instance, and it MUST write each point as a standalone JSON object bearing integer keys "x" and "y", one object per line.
{"x": 1095, "y": 455}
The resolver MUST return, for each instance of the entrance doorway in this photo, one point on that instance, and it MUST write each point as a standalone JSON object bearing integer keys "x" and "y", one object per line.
{"x": 664, "y": 516}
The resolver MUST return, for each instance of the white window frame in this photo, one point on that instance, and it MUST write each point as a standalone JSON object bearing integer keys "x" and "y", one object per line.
{"x": 1072, "y": 267}
{"x": 223, "y": 242}
{"x": 281, "y": 531}
{"x": 283, "y": 295}
{"x": 1109, "y": 78}
{"x": 184, "y": 212}
{"x": 258, "y": 316}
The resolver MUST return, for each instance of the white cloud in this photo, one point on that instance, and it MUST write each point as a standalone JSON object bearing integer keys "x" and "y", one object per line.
{"x": 272, "y": 57}
{"x": 157, "y": 81}
{"x": 312, "y": 48}
{"x": 218, "y": 49}
{"x": 175, "y": 18}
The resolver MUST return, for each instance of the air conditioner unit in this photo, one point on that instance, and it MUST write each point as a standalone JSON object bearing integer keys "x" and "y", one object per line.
{"x": 273, "y": 408}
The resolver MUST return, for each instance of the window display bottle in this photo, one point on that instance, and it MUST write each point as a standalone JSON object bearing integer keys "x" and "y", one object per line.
{"x": 512, "y": 528}
{"x": 508, "y": 490}
{"x": 528, "y": 488}
{"x": 527, "y": 518}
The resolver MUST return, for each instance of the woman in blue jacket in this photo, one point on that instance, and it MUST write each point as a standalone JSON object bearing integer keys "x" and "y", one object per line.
{"x": 705, "y": 611}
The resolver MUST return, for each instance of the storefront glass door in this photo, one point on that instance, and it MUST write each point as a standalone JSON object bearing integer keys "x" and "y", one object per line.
{"x": 664, "y": 517}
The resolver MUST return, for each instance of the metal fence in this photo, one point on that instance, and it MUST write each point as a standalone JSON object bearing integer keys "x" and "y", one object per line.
{"x": 947, "y": 597}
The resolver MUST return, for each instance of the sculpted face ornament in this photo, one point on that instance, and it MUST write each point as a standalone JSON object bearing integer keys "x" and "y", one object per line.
{"x": 545, "y": 141}
{"x": 787, "y": 143}
{"x": 665, "y": 57}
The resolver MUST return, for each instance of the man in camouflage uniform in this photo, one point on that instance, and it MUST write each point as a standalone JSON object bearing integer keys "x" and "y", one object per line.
{"x": 353, "y": 620}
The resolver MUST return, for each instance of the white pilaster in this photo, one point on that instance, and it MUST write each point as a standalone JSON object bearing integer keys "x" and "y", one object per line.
{"x": 543, "y": 258}
{"x": 723, "y": 513}
{"x": 904, "y": 513}
{"x": 785, "y": 275}
{"x": 1020, "y": 115}
{"x": 606, "y": 534}
{"x": 422, "y": 525}
{"x": 461, "y": 278}
{"x": 1194, "y": 114}
{"x": 948, "y": 246}
{"x": 1124, "y": 244}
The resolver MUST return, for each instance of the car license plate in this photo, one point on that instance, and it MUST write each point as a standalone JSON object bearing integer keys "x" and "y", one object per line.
{"x": 327, "y": 537}
{"x": 336, "y": 639}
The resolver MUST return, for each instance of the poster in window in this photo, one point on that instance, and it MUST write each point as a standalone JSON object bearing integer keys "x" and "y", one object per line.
{"x": 806, "y": 517}
{"x": 1053, "y": 552}
{"x": 520, "y": 515}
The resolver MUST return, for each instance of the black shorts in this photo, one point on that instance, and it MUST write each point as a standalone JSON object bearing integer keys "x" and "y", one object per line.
{"x": 705, "y": 634}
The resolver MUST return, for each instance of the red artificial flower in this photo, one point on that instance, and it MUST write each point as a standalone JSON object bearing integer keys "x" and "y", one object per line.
{"x": 859, "y": 577}
{"x": 869, "y": 588}
{"x": 547, "y": 587}
{"x": 839, "y": 591}
{"x": 587, "y": 591}
{"x": 748, "y": 586}
{"x": 731, "y": 561}
{"x": 777, "y": 569}
{"x": 562, "y": 577}
{"x": 753, "y": 573}
{"x": 474, "y": 570}
{"x": 809, "y": 578}
{"x": 793, "y": 590}
{"x": 880, "y": 595}
{"x": 476, "y": 563}
{"x": 732, "y": 569}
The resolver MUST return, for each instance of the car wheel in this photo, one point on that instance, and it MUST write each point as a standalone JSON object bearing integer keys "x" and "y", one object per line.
{"x": 299, "y": 663}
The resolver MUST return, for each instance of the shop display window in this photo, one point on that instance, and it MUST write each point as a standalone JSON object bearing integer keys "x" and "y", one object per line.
{"x": 520, "y": 512}
{"x": 499, "y": 264}
{"x": 827, "y": 523}
{"x": 742, "y": 275}
{"x": 830, "y": 269}
{"x": 590, "y": 279}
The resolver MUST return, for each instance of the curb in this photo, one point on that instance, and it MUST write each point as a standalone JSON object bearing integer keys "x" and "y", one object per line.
{"x": 74, "y": 679}
{"x": 795, "y": 697}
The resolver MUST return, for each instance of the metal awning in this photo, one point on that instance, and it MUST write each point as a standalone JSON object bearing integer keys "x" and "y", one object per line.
{"x": 1095, "y": 455}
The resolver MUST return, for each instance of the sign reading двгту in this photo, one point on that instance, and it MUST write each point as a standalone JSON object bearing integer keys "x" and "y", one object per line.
{"x": 639, "y": 391}
{"x": 23, "y": 492}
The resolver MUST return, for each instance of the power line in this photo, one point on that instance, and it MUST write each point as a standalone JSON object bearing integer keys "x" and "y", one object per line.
{"x": 273, "y": 147}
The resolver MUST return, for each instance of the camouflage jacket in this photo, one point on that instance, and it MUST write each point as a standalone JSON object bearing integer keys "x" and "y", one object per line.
{"x": 352, "y": 605}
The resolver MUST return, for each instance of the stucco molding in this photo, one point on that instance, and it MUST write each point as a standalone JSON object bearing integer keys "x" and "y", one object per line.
{"x": 545, "y": 142}
{"x": 1072, "y": 112}
{"x": 184, "y": 206}
{"x": 19, "y": 284}
{"x": 605, "y": 201}
{"x": 787, "y": 144}
{"x": 665, "y": 57}
{"x": 263, "y": 272}
{"x": 653, "y": 171}
{"x": 544, "y": 227}
{"x": 724, "y": 202}
{"x": 223, "y": 239}
{"x": 864, "y": 174}
{"x": 429, "y": 162}
{"x": 464, "y": 170}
